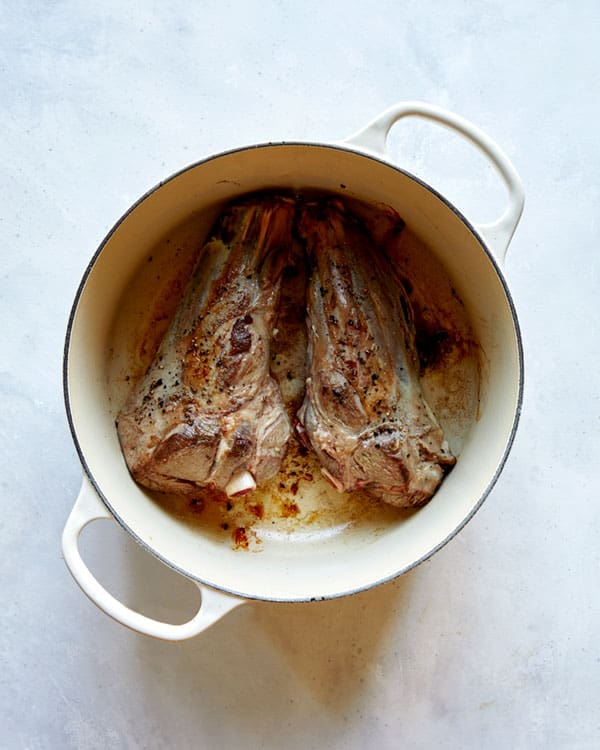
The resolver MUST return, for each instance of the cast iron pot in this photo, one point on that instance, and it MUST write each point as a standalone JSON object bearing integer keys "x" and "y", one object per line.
{"x": 327, "y": 566}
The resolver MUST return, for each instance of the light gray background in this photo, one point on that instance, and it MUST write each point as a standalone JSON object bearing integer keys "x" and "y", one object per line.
{"x": 494, "y": 642}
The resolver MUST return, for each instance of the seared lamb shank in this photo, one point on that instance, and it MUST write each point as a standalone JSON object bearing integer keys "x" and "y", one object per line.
{"x": 364, "y": 413}
{"x": 207, "y": 413}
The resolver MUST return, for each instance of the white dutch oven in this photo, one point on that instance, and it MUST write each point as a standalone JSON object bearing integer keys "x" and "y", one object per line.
{"x": 323, "y": 567}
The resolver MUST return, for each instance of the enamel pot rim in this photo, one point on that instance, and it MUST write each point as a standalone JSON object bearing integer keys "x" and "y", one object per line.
{"x": 419, "y": 181}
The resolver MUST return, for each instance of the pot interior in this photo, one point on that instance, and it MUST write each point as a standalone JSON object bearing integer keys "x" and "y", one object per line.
{"x": 295, "y": 561}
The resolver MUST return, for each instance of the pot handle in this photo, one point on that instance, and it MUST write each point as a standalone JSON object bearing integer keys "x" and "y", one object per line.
{"x": 373, "y": 138}
{"x": 88, "y": 507}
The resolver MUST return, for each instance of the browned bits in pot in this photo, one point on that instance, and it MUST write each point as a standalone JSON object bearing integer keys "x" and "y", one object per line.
{"x": 257, "y": 509}
{"x": 240, "y": 538}
{"x": 289, "y": 510}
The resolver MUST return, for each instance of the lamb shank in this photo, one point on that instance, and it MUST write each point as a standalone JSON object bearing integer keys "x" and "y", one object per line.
{"x": 364, "y": 413}
{"x": 207, "y": 413}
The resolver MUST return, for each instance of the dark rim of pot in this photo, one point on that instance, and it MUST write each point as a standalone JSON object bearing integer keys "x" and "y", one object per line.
{"x": 484, "y": 247}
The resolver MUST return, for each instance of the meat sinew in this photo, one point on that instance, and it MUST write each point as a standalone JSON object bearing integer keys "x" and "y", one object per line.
{"x": 364, "y": 413}
{"x": 207, "y": 413}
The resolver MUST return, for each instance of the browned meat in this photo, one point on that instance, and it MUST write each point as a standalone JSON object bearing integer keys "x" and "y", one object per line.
{"x": 364, "y": 413}
{"x": 207, "y": 413}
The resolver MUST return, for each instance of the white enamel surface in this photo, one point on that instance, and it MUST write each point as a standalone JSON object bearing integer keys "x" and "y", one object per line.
{"x": 318, "y": 567}
{"x": 88, "y": 508}
{"x": 491, "y": 643}
{"x": 373, "y": 138}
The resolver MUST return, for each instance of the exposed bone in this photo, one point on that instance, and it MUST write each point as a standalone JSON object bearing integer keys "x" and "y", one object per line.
{"x": 240, "y": 484}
